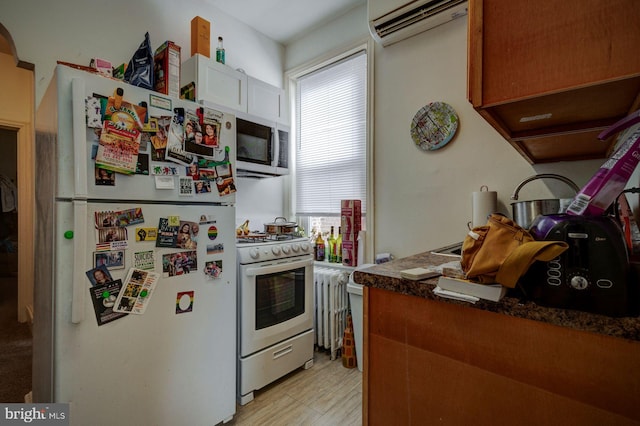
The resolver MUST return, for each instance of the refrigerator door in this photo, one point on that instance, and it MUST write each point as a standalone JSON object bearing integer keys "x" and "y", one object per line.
{"x": 173, "y": 364}
{"x": 77, "y": 144}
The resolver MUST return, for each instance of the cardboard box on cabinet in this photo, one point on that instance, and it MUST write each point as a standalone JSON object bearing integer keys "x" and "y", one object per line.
{"x": 167, "y": 69}
{"x": 200, "y": 37}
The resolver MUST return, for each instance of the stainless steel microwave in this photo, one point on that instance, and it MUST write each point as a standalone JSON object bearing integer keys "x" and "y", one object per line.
{"x": 262, "y": 147}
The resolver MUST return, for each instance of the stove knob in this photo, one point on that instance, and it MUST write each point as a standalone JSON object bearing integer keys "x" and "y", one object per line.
{"x": 254, "y": 253}
{"x": 286, "y": 249}
{"x": 304, "y": 247}
{"x": 275, "y": 250}
{"x": 579, "y": 283}
{"x": 295, "y": 247}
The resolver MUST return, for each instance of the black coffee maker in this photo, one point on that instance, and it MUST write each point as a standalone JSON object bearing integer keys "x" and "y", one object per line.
{"x": 593, "y": 275}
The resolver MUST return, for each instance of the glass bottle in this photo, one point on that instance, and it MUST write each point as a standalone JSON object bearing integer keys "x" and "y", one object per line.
{"x": 319, "y": 248}
{"x": 339, "y": 246}
{"x": 220, "y": 51}
{"x": 331, "y": 242}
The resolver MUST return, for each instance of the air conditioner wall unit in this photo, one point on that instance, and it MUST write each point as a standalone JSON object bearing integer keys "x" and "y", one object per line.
{"x": 389, "y": 23}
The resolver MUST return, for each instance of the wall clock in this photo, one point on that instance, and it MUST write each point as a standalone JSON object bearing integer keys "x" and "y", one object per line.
{"x": 434, "y": 125}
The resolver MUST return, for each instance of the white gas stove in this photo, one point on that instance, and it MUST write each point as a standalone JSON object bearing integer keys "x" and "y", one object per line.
{"x": 275, "y": 310}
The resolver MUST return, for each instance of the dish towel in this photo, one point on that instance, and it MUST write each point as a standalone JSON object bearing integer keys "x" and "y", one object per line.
{"x": 519, "y": 260}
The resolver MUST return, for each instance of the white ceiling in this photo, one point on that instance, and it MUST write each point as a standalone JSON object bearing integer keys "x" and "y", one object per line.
{"x": 285, "y": 20}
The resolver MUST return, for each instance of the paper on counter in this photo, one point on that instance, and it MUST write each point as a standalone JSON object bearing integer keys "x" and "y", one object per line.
{"x": 455, "y": 296}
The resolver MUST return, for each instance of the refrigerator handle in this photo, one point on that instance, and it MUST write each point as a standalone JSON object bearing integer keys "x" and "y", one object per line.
{"x": 79, "y": 137}
{"x": 79, "y": 253}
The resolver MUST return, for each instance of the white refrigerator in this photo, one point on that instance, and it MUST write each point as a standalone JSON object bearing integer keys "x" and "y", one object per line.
{"x": 168, "y": 356}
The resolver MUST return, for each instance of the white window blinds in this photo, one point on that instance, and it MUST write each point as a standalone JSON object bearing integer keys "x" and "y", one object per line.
{"x": 331, "y": 140}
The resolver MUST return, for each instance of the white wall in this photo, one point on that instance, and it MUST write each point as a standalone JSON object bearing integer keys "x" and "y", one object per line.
{"x": 259, "y": 200}
{"x": 347, "y": 28}
{"x": 77, "y": 30}
{"x": 423, "y": 199}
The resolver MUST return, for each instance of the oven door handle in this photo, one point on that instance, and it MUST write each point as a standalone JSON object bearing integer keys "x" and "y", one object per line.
{"x": 271, "y": 269}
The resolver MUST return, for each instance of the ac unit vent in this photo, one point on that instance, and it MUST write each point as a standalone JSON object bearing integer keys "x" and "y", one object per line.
{"x": 413, "y": 18}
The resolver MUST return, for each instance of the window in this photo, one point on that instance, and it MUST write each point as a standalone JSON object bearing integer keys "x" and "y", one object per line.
{"x": 331, "y": 141}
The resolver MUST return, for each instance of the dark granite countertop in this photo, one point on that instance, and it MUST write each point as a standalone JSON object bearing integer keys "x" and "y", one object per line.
{"x": 386, "y": 276}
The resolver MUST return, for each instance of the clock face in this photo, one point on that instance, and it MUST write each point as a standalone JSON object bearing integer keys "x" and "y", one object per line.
{"x": 434, "y": 125}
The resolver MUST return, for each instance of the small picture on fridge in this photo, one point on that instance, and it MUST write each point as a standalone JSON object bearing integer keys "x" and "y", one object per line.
{"x": 211, "y": 126}
{"x": 225, "y": 186}
{"x": 202, "y": 186}
{"x": 99, "y": 275}
{"x": 188, "y": 235}
{"x": 142, "y": 166}
{"x": 105, "y": 177}
{"x": 179, "y": 263}
{"x": 108, "y": 235}
{"x": 186, "y": 186}
{"x": 211, "y": 132}
{"x": 193, "y": 171}
{"x": 159, "y": 139}
{"x": 215, "y": 248}
{"x": 150, "y": 126}
{"x": 213, "y": 269}
{"x": 110, "y": 259}
{"x": 208, "y": 174}
{"x": 145, "y": 139}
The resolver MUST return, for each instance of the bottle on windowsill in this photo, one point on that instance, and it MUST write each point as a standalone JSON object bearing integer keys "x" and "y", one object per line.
{"x": 339, "y": 246}
{"x": 318, "y": 250}
{"x": 331, "y": 244}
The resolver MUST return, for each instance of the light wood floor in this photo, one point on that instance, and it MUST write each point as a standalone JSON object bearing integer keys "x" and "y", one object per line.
{"x": 327, "y": 394}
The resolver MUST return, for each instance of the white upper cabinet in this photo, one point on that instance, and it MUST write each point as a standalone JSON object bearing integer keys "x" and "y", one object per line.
{"x": 215, "y": 82}
{"x": 265, "y": 100}
{"x": 222, "y": 85}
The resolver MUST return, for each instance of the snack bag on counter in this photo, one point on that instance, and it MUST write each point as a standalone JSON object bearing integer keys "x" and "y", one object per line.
{"x": 609, "y": 181}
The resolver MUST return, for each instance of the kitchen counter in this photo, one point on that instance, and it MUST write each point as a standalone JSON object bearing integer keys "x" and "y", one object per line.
{"x": 430, "y": 360}
{"x": 386, "y": 276}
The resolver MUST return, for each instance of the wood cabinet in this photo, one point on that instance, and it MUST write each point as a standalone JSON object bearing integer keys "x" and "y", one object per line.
{"x": 550, "y": 76}
{"x": 432, "y": 362}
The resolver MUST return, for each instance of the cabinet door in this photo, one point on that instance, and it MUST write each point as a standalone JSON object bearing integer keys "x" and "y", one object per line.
{"x": 215, "y": 82}
{"x": 550, "y": 76}
{"x": 265, "y": 101}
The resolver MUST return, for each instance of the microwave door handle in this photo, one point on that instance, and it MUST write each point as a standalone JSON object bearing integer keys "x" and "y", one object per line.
{"x": 274, "y": 144}
{"x": 271, "y": 269}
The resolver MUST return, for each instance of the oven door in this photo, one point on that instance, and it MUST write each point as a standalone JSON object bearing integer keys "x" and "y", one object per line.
{"x": 276, "y": 302}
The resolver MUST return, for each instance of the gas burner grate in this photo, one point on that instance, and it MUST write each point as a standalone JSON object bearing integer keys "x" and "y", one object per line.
{"x": 261, "y": 237}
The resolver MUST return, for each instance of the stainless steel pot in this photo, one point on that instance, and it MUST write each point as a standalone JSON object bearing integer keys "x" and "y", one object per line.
{"x": 524, "y": 212}
{"x": 280, "y": 226}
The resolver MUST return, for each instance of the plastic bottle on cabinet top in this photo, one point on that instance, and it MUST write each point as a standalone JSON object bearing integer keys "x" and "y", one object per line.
{"x": 220, "y": 51}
